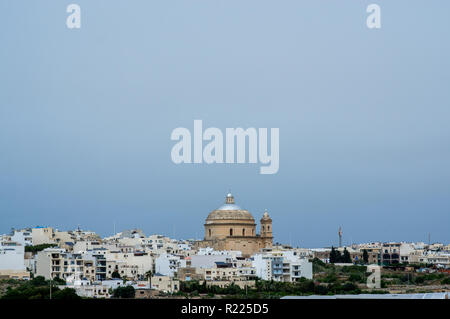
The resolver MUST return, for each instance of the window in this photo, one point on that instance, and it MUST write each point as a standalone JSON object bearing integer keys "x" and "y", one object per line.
{"x": 209, "y": 232}
{"x": 243, "y": 232}
{"x": 231, "y": 231}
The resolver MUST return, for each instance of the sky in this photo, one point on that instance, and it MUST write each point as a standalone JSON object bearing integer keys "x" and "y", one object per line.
{"x": 86, "y": 116}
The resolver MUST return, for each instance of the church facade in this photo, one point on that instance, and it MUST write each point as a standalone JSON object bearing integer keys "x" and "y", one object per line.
{"x": 232, "y": 228}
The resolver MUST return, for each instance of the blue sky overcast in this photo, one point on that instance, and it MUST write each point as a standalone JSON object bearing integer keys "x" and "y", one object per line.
{"x": 86, "y": 115}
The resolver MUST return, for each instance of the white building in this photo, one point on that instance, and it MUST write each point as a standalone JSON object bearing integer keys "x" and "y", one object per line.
{"x": 12, "y": 256}
{"x": 268, "y": 267}
{"x": 22, "y": 237}
{"x": 131, "y": 265}
{"x": 282, "y": 266}
{"x": 208, "y": 261}
{"x": 167, "y": 264}
{"x": 406, "y": 249}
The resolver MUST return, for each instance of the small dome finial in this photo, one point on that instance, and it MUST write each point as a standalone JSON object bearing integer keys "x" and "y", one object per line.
{"x": 229, "y": 199}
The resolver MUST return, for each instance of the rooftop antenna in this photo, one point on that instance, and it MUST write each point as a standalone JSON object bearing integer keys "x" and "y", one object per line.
{"x": 429, "y": 239}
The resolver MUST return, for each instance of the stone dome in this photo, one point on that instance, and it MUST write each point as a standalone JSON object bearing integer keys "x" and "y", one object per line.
{"x": 229, "y": 214}
{"x": 229, "y": 211}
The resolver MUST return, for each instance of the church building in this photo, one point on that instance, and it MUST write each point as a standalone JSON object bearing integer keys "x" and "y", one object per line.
{"x": 232, "y": 228}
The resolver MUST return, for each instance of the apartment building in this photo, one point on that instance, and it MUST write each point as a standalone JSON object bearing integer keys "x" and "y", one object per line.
{"x": 189, "y": 273}
{"x": 42, "y": 235}
{"x": 374, "y": 255}
{"x": 12, "y": 256}
{"x": 268, "y": 267}
{"x": 130, "y": 264}
{"x": 159, "y": 282}
{"x": 406, "y": 250}
{"x": 58, "y": 263}
{"x": 390, "y": 253}
{"x": 167, "y": 265}
{"x": 12, "y": 263}
{"x": 281, "y": 266}
{"x": 122, "y": 268}
{"x": 207, "y": 261}
{"x": 165, "y": 284}
{"x": 22, "y": 237}
{"x": 225, "y": 272}
{"x": 440, "y": 259}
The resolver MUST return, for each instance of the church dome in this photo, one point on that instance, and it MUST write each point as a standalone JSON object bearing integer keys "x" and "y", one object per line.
{"x": 229, "y": 211}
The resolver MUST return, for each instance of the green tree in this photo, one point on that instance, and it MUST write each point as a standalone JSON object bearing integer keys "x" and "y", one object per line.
{"x": 124, "y": 292}
{"x": 115, "y": 275}
{"x": 66, "y": 294}
{"x": 36, "y": 248}
{"x": 59, "y": 281}
{"x": 318, "y": 265}
{"x": 39, "y": 288}
{"x": 148, "y": 276}
{"x": 333, "y": 255}
{"x": 38, "y": 281}
{"x": 354, "y": 277}
{"x": 330, "y": 278}
{"x": 346, "y": 257}
{"x": 365, "y": 256}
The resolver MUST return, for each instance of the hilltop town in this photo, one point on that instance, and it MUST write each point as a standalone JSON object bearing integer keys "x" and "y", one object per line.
{"x": 232, "y": 259}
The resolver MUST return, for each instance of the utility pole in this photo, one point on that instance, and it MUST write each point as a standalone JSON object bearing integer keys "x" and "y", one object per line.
{"x": 340, "y": 236}
{"x": 50, "y": 287}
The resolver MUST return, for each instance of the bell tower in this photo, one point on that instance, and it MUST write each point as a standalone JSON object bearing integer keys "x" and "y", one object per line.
{"x": 266, "y": 229}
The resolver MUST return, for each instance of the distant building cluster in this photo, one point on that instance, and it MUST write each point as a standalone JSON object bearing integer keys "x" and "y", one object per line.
{"x": 393, "y": 253}
{"x": 231, "y": 252}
